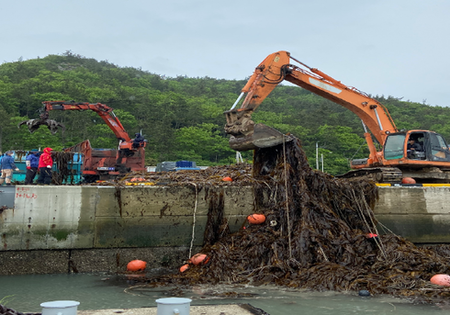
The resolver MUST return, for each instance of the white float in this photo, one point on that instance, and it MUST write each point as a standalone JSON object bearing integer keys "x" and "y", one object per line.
{"x": 172, "y": 306}
{"x": 60, "y": 308}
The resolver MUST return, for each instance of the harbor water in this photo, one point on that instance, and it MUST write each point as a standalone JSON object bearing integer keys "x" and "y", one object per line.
{"x": 25, "y": 293}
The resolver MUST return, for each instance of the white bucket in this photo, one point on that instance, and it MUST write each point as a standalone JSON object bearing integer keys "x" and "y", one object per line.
{"x": 60, "y": 308}
{"x": 172, "y": 306}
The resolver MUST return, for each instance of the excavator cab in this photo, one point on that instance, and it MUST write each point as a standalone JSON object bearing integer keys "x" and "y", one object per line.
{"x": 426, "y": 146}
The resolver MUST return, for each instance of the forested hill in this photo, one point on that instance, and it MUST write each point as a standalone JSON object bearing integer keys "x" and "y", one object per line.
{"x": 182, "y": 118}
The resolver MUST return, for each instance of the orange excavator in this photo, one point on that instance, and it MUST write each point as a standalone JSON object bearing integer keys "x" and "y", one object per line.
{"x": 427, "y": 162}
{"x": 98, "y": 164}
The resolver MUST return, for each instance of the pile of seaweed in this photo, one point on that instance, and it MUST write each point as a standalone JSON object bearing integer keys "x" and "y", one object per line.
{"x": 240, "y": 174}
{"x": 65, "y": 168}
{"x": 316, "y": 236}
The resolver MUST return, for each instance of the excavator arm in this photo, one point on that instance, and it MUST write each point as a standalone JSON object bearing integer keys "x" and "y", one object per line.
{"x": 278, "y": 67}
{"x": 104, "y": 111}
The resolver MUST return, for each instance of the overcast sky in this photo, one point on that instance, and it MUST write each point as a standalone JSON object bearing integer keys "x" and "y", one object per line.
{"x": 396, "y": 48}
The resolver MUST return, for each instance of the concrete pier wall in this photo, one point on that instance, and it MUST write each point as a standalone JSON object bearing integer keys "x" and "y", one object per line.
{"x": 72, "y": 217}
{"x": 420, "y": 214}
{"x": 96, "y": 228}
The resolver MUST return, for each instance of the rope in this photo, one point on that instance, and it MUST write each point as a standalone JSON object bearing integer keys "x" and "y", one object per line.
{"x": 360, "y": 209}
{"x": 287, "y": 197}
{"x": 385, "y": 228}
{"x": 357, "y": 150}
{"x": 193, "y": 219}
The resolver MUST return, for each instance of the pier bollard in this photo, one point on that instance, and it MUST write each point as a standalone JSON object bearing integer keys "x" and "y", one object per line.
{"x": 172, "y": 306}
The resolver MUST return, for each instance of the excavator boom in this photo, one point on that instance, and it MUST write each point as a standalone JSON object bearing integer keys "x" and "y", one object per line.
{"x": 104, "y": 111}
{"x": 277, "y": 68}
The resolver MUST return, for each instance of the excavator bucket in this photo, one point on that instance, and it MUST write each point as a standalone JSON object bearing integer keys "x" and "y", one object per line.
{"x": 262, "y": 137}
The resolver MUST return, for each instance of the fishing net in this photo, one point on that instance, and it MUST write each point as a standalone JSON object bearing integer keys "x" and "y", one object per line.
{"x": 320, "y": 233}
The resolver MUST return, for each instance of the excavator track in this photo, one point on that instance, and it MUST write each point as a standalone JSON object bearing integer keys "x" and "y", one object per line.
{"x": 428, "y": 175}
{"x": 388, "y": 175}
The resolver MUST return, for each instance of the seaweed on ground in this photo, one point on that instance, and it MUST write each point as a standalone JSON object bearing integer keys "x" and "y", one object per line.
{"x": 241, "y": 175}
{"x": 317, "y": 235}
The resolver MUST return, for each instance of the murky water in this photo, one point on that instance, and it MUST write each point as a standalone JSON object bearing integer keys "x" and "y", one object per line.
{"x": 102, "y": 291}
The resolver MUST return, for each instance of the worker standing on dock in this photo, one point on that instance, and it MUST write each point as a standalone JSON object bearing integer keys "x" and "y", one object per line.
{"x": 45, "y": 167}
{"x": 32, "y": 163}
{"x": 7, "y": 167}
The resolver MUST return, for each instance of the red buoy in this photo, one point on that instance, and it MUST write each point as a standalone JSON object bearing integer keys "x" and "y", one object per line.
{"x": 227, "y": 179}
{"x": 408, "y": 180}
{"x": 441, "y": 279}
{"x": 184, "y": 268}
{"x": 256, "y": 218}
{"x": 136, "y": 265}
{"x": 199, "y": 258}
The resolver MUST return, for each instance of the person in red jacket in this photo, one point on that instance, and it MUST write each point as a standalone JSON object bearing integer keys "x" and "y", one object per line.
{"x": 45, "y": 167}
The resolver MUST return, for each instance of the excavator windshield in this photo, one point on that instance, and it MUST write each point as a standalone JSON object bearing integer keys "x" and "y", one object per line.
{"x": 394, "y": 145}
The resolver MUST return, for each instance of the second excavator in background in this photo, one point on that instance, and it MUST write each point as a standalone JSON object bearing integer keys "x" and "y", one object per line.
{"x": 393, "y": 162}
{"x": 98, "y": 164}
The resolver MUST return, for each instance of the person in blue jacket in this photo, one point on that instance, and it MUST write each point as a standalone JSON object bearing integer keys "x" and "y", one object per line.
{"x": 7, "y": 167}
{"x": 32, "y": 163}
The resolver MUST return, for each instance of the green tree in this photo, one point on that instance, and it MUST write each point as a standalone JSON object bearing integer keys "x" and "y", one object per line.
{"x": 339, "y": 145}
{"x": 203, "y": 144}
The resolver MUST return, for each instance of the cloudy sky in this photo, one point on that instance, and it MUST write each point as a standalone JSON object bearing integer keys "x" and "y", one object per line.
{"x": 396, "y": 48}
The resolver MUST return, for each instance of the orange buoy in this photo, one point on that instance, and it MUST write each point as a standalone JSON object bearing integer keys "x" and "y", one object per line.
{"x": 137, "y": 179}
{"x": 408, "y": 180}
{"x": 136, "y": 265}
{"x": 184, "y": 268}
{"x": 227, "y": 179}
{"x": 256, "y": 218}
{"x": 441, "y": 279}
{"x": 199, "y": 258}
